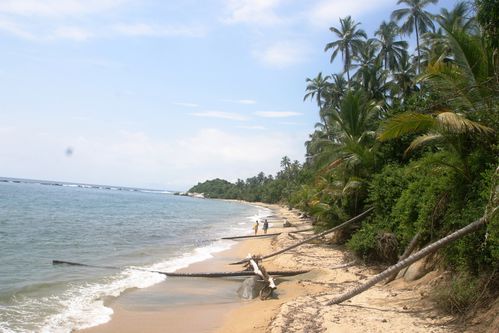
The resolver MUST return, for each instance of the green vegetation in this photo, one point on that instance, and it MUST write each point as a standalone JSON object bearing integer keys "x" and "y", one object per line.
{"x": 260, "y": 188}
{"x": 414, "y": 136}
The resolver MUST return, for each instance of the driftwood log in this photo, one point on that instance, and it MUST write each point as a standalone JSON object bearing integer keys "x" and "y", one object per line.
{"x": 175, "y": 274}
{"x": 344, "y": 224}
{"x": 267, "y": 235}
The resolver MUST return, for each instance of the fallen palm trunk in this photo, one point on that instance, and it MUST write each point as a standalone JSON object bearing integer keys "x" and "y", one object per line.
{"x": 252, "y": 236}
{"x": 175, "y": 274}
{"x": 266, "y": 235}
{"x": 344, "y": 224}
{"x": 410, "y": 260}
{"x": 407, "y": 252}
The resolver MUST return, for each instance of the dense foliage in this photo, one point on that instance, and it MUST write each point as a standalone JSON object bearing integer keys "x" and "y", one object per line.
{"x": 413, "y": 135}
{"x": 259, "y": 188}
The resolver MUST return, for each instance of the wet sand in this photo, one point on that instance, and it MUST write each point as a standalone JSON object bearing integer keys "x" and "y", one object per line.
{"x": 185, "y": 305}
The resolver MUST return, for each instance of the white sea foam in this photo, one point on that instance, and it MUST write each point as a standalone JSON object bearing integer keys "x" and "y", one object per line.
{"x": 84, "y": 307}
{"x": 64, "y": 306}
{"x": 155, "y": 191}
{"x": 261, "y": 214}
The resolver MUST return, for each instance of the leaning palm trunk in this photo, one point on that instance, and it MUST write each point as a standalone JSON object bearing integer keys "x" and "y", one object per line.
{"x": 491, "y": 211}
{"x": 357, "y": 218}
{"x": 411, "y": 259}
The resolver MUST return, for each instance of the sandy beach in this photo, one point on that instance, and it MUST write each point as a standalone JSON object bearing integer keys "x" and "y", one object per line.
{"x": 299, "y": 303}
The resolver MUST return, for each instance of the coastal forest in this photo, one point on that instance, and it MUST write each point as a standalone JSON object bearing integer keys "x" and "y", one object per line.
{"x": 410, "y": 131}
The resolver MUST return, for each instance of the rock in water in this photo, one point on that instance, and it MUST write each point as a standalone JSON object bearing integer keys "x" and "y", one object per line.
{"x": 250, "y": 288}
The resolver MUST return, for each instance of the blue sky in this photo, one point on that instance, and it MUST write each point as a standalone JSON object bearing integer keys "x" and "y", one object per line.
{"x": 162, "y": 94}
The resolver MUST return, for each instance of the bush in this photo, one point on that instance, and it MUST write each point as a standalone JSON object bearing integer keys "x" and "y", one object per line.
{"x": 457, "y": 295}
{"x": 463, "y": 292}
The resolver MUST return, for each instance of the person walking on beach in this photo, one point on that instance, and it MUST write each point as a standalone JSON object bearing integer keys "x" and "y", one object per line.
{"x": 265, "y": 226}
{"x": 255, "y": 227}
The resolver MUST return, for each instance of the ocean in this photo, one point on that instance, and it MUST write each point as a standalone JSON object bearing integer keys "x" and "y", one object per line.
{"x": 98, "y": 225}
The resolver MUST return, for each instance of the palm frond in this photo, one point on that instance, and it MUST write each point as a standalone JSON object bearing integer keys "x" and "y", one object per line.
{"x": 405, "y": 123}
{"x": 423, "y": 140}
{"x": 457, "y": 124}
{"x": 353, "y": 185}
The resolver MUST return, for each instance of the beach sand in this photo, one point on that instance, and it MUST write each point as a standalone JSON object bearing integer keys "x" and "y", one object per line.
{"x": 299, "y": 305}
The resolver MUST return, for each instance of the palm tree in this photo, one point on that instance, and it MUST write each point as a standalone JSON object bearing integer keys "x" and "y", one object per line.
{"x": 318, "y": 87}
{"x": 468, "y": 93}
{"x": 337, "y": 89}
{"x": 466, "y": 79}
{"x": 350, "y": 136}
{"x": 366, "y": 56}
{"x": 354, "y": 120}
{"x": 457, "y": 18}
{"x": 348, "y": 43}
{"x": 404, "y": 77}
{"x": 391, "y": 50}
{"x": 417, "y": 19}
{"x": 437, "y": 45}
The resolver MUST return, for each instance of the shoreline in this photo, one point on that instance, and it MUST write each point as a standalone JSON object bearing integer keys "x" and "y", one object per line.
{"x": 299, "y": 305}
{"x": 206, "y": 299}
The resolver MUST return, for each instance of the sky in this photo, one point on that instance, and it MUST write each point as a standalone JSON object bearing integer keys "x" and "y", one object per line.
{"x": 163, "y": 94}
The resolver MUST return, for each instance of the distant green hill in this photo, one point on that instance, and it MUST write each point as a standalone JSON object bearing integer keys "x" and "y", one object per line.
{"x": 216, "y": 188}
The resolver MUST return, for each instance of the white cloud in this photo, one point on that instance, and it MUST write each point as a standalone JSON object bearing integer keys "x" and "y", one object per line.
{"x": 15, "y": 29}
{"x": 188, "y": 105}
{"x": 49, "y": 20}
{"x": 326, "y": 13}
{"x": 240, "y": 101}
{"x": 73, "y": 33}
{"x": 246, "y": 101}
{"x": 283, "y": 54}
{"x": 57, "y": 7}
{"x": 277, "y": 114}
{"x": 150, "y": 30}
{"x": 221, "y": 115}
{"x": 214, "y": 153}
{"x": 135, "y": 158}
{"x": 259, "y": 12}
{"x": 255, "y": 127}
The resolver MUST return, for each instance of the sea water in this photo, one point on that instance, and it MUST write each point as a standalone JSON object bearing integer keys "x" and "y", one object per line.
{"x": 102, "y": 226}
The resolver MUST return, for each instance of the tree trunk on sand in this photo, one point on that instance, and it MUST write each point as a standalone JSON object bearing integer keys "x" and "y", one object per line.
{"x": 411, "y": 259}
{"x": 175, "y": 274}
{"x": 354, "y": 219}
{"x": 267, "y": 235}
{"x": 491, "y": 211}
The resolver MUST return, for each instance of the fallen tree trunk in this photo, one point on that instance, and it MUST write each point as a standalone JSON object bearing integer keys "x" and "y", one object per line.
{"x": 410, "y": 260}
{"x": 354, "y": 219}
{"x": 175, "y": 274}
{"x": 409, "y": 249}
{"x": 252, "y": 236}
{"x": 229, "y": 274}
{"x": 266, "y": 235}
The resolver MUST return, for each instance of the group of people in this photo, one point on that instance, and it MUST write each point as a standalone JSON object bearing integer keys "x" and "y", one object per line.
{"x": 264, "y": 227}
